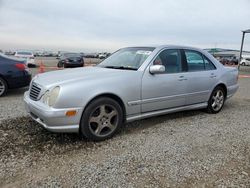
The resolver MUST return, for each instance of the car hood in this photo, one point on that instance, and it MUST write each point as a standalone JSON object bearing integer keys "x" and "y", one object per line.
{"x": 71, "y": 75}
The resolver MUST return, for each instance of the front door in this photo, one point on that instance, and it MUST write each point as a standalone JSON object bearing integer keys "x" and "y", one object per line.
{"x": 165, "y": 90}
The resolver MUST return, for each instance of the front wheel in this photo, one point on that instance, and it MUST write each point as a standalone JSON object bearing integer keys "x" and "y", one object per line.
{"x": 101, "y": 119}
{"x": 216, "y": 100}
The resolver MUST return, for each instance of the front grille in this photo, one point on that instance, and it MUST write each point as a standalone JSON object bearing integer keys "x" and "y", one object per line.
{"x": 34, "y": 92}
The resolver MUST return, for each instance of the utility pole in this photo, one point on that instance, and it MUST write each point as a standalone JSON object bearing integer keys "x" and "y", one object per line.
{"x": 242, "y": 43}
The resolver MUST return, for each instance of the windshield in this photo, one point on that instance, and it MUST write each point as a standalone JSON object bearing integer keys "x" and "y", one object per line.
{"x": 127, "y": 58}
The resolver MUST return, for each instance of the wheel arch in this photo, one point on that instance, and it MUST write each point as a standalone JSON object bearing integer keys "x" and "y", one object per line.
{"x": 223, "y": 86}
{"x": 1, "y": 76}
{"x": 112, "y": 96}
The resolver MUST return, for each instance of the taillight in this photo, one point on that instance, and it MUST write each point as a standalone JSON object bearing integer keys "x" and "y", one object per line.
{"x": 20, "y": 66}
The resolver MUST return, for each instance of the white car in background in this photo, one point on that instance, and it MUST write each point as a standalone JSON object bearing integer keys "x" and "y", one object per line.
{"x": 245, "y": 61}
{"x": 28, "y": 56}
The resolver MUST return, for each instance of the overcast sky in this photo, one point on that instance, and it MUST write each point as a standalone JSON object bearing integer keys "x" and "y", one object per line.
{"x": 94, "y": 25}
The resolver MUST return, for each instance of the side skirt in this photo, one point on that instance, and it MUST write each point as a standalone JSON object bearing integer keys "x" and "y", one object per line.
{"x": 166, "y": 111}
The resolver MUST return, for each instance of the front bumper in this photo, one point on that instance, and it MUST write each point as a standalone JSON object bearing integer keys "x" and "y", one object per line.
{"x": 54, "y": 120}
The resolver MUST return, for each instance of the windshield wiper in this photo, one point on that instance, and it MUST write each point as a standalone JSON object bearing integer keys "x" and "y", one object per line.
{"x": 121, "y": 67}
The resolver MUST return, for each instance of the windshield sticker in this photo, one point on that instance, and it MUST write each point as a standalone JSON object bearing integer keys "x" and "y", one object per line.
{"x": 142, "y": 52}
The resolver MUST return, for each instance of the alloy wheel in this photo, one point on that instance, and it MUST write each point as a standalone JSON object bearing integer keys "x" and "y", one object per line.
{"x": 2, "y": 87}
{"x": 103, "y": 120}
{"x": 217, "y": 100}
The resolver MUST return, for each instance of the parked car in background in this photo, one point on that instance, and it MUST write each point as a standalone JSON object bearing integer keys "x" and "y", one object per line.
{"x": 245, "y": 61}
{"x": 28, "y": 56}
{"x": 103, "y": 55}
{"x": 229, "y": 61}
{"x": 131, "y": 84}
{"x": 91, "y": 55}
{"x": 13, "y": 74}
{"x": 234, "y": 61}
{"x": 50, "y": 54}
{"x": 9, "y": 53}
{"x": 70, "y": 60}
{"x": 38, "y": 53}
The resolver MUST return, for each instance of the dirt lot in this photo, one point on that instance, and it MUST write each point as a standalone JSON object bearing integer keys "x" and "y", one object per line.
{"x": 184, "y": 149}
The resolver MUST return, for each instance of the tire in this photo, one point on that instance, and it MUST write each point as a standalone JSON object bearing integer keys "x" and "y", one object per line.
{"x": 244, "y": 64}
{"x": 102, "y": 118}
{"x": 64, "y": 65}
{"x": 59, "y": 64}
{"x": 3, "y": 87}
{"x": 216, "y": 100}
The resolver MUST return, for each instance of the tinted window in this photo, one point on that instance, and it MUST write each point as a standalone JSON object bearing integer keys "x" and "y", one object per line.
{"x": 194, "y": 61}
{"x": 171, "y": 59}
{"x": 208, "y": 64}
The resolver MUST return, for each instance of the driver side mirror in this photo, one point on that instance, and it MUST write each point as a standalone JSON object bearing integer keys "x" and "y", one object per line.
{"x": 157, "y": 69}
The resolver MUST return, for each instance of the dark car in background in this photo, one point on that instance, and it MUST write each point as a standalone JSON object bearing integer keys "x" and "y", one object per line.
{"x": 70, "y": 60}
{"x": 13, "y": 74}
{"x": 229, "y": 61}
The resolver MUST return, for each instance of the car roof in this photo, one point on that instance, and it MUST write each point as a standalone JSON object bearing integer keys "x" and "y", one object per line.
{"x": 167, "y": 46}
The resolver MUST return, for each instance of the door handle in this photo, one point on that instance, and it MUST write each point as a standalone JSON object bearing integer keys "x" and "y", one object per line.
{"x": 213, "y": 76}
{"x": 181, "y": 78}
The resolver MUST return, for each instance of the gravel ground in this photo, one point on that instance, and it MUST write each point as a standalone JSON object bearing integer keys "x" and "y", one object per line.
{"x": 12, "y": 105}
{"x": 186, "y": 149}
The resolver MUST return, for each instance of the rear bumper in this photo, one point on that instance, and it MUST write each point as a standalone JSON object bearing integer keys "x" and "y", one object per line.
{"x": 74, "y": 64}
{"x": 19, "y": 80}
{"x": 53, "y": 119}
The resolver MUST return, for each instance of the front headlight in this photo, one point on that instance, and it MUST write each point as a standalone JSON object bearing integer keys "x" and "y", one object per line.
{"x": 51, "y": 96}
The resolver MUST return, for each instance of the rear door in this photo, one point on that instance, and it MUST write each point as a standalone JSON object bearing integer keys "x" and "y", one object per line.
{"x": 201, "y": 77}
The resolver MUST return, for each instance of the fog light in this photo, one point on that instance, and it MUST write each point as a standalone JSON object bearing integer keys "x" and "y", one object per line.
{"x": 71, "y": 113}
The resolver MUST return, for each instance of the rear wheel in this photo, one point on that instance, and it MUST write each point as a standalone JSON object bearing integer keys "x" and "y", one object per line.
{"x": 3, "y": 87}
{"x": 101, "y": 119}
{"x": 216, "y": 100}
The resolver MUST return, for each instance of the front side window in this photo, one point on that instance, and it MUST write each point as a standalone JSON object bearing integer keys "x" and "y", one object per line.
{"x": 194, "y": 61}
{"x": 171, "y": 59}
{"x": 127, "y": 58}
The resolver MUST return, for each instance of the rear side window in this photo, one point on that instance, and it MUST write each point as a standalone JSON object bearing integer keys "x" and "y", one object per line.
{"x": 194, "y": 61}
{"x": 208, "y": 64}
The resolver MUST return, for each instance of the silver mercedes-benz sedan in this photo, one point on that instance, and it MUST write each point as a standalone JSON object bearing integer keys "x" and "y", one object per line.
{"x": 131, "y": 84}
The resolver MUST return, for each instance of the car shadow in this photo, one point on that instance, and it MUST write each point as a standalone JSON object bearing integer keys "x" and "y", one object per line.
{"x": 133, "y": 127}
{"x": 15, "y": 92}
